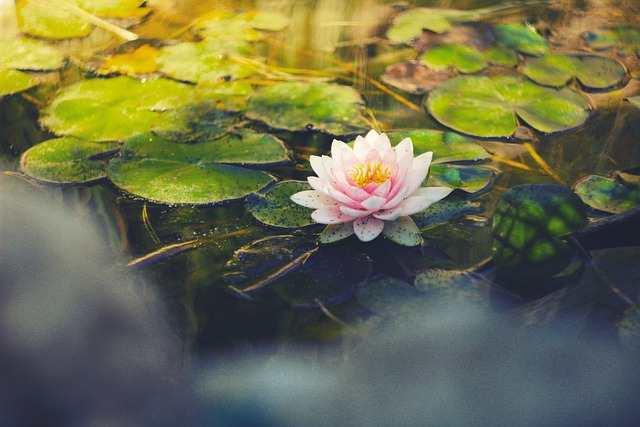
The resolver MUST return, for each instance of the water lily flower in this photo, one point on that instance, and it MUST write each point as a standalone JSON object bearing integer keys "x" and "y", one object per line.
{"x": 370, "y": 189}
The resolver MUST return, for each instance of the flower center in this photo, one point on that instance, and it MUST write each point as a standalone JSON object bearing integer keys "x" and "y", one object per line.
{"x": 363, "y": 175}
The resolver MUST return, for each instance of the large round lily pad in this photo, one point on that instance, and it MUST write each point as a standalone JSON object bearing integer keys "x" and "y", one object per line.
{"x": 66, "y": 160}
{"x": 491, "y": 106}
{"x": 114, "y": 109}
{"x": 299, "y": 106}
{"x": 592, "y": 71}
{"x": 527, "y": 226}
{"x": 177, "y": 173}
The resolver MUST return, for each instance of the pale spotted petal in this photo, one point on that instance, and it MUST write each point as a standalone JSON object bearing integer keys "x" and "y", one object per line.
{"x": 312, "y": 199}
{"x": 334, "y": 232}
{"x": 354, "y": 213}
{"x": 402, "y": 231}
{"x": 368, "y": 228}
{"x": 330, "y": 215}
{"x": 422, "y": 198}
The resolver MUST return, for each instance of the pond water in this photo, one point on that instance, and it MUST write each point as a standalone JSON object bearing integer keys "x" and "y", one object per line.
{"x": 229, "y": 282}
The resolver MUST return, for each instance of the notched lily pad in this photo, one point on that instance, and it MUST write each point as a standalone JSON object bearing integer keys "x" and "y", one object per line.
{"x": 465, "y": 59}
{"x": 492, "y": 106}
{"x": 592, "y": 71}
{"x": 273, "y": 206}
{"x": 67, "y": 160}
{"x": 607, "y": 195}
{"x": 302, "y": 106}
{"x": 114, "y": 109}
{"x": 409, "y": 24}
{"x": 527, "y": 226}
{"x": 177, "y": 173}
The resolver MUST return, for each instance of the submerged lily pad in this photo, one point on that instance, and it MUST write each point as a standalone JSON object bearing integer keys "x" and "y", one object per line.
{"x": 62, "y": 20}
{"x": 205, "y": 63}
{"x": 592, "y": 71}
{"x": 115, "y": 109}
{"x": 491, "y": 106}
{"x": 141, "y": 60}
{"x": 625, "y": 39}
{"x": 66, "y": 160}
{"x": 414, "y": 77}
{"x": 300, "y": 106}
{"x": 273, "y": 206}
{"x": 607, "y": 195}
{"x": 527, "y": 226}
{"x": 202, "y": 173}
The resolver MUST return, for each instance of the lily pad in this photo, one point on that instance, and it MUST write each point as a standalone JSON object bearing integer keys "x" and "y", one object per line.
{"x": 491, "y": 106}
{"x": 443, "y": 210}
{"x": 464, "y": 58}
{"x": 607, "y": 195}
{"x": 114, "y": 109}
{"x": 625, "y": 39}
{"x": 141, "y": 60}
{"x": 522, "y": 38}
{"x": 592, "y": 71}
{"x": 409, "y": 24}
{"x": 300, "y": 106}
{"x": 13, "y": 81}
{"x": 27, "y": 54}
{"x": 273, "y": 206}
{"x": 226, "y": 24}
{"x": 414, "y": 77}
{"x": 447, "y": 147}
{"x": 66, "y": 160}
{"x": 62, "y": 20}
{"x": 472, "y": 180}
{"x": 177, "y": 173}
{"x": 205, "y": 63}
{"x": 527, "y": 226}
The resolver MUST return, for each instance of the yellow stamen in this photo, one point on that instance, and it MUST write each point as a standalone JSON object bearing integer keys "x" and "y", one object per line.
{"x": 363, "y": 175}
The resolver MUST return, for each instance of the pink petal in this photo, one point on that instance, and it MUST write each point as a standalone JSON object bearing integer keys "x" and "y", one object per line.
{"x": 419, "y": 171}
{"x": 373, "y": 203}
{"x": 312, "y": 199}
{"x": 337, "y": 149}
{"x": 329, "y": 215}
{"x": 319, "y": 185}
{"x": 367, "y": 228}
{"x": 354, "y": 192}
{"x": 342, "y": 198}
{"x": 361, "y": 148}
{"x": 381, "y": 143}
{"x": 422, "y": 198}
{"x": 382, "y": 190}
{"x": 354, "y": 213}
{"x": 388, "y": 214}
{"x": 372, "y": 135}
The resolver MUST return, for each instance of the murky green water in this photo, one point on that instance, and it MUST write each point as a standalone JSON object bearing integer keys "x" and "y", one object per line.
{"x": 314, "y": 301}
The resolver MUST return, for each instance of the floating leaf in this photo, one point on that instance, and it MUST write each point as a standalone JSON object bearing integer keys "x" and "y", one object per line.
{"x": 625, "y": 39}
{"x": 66, "y": 160}
{"x": 443, "y": 210}
{"x": 13, "y": 81}
{"x": 27, "y": 54}
{"x": 465, "y": 58}
{"x": 299, "y": 106}
{"x": 177, "y": 173}
{"x": 226, "y": 24}
{"x": 527, "y": 226}
{"x": 142, "y": 60}
{"x": 446, "y": 146}
{"x": 205, "y": 63}
{"x": 490, "y": 106}
{"x": 56, "y": 19}
{"x": 409, "y": 24}
{"x": 607, "y": 195}
{"x": 473, "y": 180}
{"x": 593, "y": 72}
{"x": 114, "y": 109}
{"x": 522, "y": 38}
{"x": 273, "y": 206}
{"x": 414, "y": 77}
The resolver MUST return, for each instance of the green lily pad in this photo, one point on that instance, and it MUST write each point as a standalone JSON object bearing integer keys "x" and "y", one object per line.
{"x": 452, "y": 206}
{"x": 625, "y": 39}
{"x": 13, "y": 81}
{"x": 521, "y": 38}
{"x": 300, "y": 106}
{"x": 527, "y": 226}
{"x": 205, "y": 63}
{"x": 27, "y": 54}
{"x": 177, "y": 173}
{"x": 491, "y": 106}
{"x": 409, "y": 24}
{"x": 56, "y": 20}
{"x": 132, "y": 61}
{"x": 473, "y": 180}
{"x": 447, "y": 147}
{"x": 115, "y": 109}
{"x": 66, "y": 160}
{"x": 592, "y": 71}
{"x": 465, "y": 58}
{"x": 607, "y": 195}
{"x": 226, "y": 24}
{"x": 273, "y": 206}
